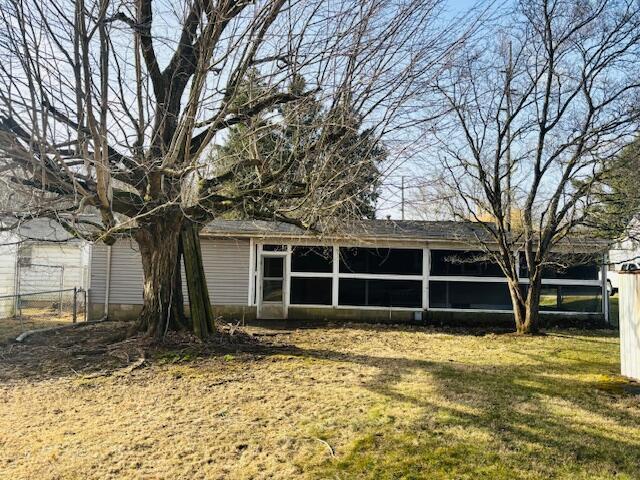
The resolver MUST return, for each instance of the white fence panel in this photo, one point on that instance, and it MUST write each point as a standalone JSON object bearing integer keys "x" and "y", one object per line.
{"x": 630, "y": 325}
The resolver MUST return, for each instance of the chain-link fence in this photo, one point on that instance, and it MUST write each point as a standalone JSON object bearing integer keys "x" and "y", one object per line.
{"x": 36, "y": 310}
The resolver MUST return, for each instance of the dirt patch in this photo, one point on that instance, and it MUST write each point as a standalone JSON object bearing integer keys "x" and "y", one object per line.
{"x": 106, "y": 347}
{"x": 32, "y": 319}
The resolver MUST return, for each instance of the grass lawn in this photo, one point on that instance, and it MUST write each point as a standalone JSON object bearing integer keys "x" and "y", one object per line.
{"x": 359, "y": 402}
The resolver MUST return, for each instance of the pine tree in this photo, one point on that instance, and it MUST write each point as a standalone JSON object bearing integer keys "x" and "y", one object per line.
{"x": 292, "y": 142}
{"x": 618, "y": 200}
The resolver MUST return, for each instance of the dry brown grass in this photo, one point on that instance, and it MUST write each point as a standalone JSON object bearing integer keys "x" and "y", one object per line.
{"x": 359, "y": 402}
{"x": 32, "y": 319}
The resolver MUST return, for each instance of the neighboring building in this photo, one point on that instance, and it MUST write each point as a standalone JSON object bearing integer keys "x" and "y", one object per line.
{"x": 379, "y": 270}
{"x": 40, "y": 256}
{"x": 624, "y": 254}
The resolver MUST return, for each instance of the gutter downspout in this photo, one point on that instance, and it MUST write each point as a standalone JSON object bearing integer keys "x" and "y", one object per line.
{"x": 107, "y": 287}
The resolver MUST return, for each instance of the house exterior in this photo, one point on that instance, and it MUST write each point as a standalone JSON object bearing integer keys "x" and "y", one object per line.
{"x": 624, "y": 251}
{"x": 40, "y": 256}
{"x": 377, "y": 270}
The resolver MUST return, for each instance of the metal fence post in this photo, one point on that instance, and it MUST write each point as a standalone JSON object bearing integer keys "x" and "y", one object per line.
{"x": 75, "y": 304}
{"x": 61, "y": 289}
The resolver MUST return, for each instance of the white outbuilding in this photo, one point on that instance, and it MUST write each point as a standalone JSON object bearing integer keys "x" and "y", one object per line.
{"x": 40, "y": 256}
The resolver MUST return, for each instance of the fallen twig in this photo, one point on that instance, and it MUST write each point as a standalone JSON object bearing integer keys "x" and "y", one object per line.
{"x": 326, "y": 444}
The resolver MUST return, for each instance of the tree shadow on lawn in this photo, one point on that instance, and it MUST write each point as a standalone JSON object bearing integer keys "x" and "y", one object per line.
{"x": 515, "y": 421}
{"x": 554, "y": 413}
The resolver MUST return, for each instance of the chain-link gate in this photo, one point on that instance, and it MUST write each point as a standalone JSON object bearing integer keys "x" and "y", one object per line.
{"x": 35, "y": 310}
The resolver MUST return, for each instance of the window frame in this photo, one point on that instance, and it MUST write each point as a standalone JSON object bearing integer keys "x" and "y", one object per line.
{"x": 425, "y": 277}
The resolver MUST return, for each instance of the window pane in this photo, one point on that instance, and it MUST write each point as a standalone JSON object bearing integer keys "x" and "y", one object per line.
{"x": 311, "y": 291}
{"x": 469, "y": 295}
{"x": 274, "y": 248}
{"x": 272, "y": 290}
{"x": 571, "y": 298}
{"x": 312, "y": 259}
{"x": 549, "y": 298}
{"x": 572, "y": 267}
{"x": 461, "y": 263}
{"x": 380, "y": 293}
{"x": 273, "y": 267}
{"x": 392, "y": 261}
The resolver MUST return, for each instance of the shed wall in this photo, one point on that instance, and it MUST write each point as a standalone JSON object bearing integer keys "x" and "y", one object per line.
{"x": 54, "y": 266}
{"x": 8, "y": 251}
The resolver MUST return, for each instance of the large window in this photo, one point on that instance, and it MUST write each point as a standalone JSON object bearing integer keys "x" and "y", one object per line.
{"x": 571, "y": 298}
{"x": 311, "y": 291}
{"x": 390, "y": 261}
{"x": 568, "y": 266}
{"x": 463, "y": 263}
{"x": 380, "y": 293}
{"x": 469, "y": 295}
{"x": 312, "y": 259}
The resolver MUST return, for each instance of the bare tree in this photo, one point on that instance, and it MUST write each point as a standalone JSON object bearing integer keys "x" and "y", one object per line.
{"x": 533, "y": 121}
{"x": 114, "y": 107}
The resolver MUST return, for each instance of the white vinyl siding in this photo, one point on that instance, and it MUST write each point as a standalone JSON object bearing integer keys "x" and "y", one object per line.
{"x": 226, "y": 266}
{"x": 7, "y": 272}
{"x": 53, "y": 267}
{"x": 225, "y": 262}
{"x": 97, "y": 272}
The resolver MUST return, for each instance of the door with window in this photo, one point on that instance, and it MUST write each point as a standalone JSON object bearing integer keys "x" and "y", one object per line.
{"x": 271, "y": 301}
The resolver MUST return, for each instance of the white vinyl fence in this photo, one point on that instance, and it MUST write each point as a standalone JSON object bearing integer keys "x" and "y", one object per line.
{"x": 630, "y": 324}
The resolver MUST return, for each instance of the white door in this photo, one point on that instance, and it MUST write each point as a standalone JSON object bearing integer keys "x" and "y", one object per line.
{"x": 271, "y": 298}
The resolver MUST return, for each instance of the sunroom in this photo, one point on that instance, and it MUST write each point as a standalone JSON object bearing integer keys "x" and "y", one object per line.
{"x": 295, "y": 277}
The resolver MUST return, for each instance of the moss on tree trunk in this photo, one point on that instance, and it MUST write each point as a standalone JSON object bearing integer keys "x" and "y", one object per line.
{"x": 199, "y": 303}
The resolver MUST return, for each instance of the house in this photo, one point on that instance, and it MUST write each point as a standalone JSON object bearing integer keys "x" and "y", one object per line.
{"x": 375, "y": 270}
{"x": 40, "y": 256}
{"x": 624, "y": 252}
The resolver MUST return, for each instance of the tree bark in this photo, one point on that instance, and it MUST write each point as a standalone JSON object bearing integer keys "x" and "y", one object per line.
{"x": 526, "y": 307}
{"x": 177, "y": 305}
{"x": 519, "y": 311}
{"x": 532, "y": 306}
{"x": 158, "y": 242}
{"x": 199, "y": 303}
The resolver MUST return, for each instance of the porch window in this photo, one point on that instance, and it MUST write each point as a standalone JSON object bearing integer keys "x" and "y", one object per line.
{"x": 380, "y": 293}
{"x": 469, "y": 295}
{"x": 567, "y": 267}
{"x": 571, "y": 298}
{"x": 463, "y": 263}
{"x": 312, "y": 259}
{"x": 384, "y": 261}
{"x": 311, "y": 291}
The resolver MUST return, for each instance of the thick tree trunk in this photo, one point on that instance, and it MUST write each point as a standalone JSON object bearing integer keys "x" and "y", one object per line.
{"x": 158, "y": 242}
{"x": 526, "y": 306}
{"x": 517, "y": 301}
{"x": 177, "y": 304}
{"x": 532, "y": 306}
{"x": 199, "y": 303}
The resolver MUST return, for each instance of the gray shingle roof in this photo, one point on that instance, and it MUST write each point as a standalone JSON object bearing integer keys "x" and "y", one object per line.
{"x": 370, "y": 230}
{"x": 366, "y": 229}
{"x": 39, "y": 230}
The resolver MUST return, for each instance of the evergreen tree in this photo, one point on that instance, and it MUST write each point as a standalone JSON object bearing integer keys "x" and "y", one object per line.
{"x": 291, "y": 143}
{"x": 618, "y": 199}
